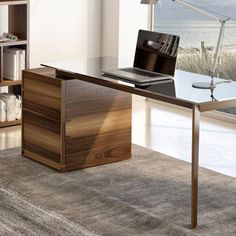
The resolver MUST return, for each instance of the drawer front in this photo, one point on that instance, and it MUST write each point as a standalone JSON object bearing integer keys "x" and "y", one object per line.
{"x": 41, "y": 136}
{"x": 42, "y": 95}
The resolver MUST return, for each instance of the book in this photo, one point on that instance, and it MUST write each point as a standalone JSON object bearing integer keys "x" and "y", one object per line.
{"x": 3, "y": 112}
{"x": 4, "y": 89}
{"x": 10, "y": 66}
{"x": 22, "y": 62}
{"x": 18, "y": 107}
{"x": 15, "y": 63}
{"x": 10, "y": 101}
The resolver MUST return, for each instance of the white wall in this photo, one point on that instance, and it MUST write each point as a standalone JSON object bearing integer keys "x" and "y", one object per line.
{"x": 121, "y": 21}
{"x": 110, "y": 28}
{"x": 94, "y": 28}
{"x": 3, "y": 19}
{"x": 132, "y": 17}
{"x": 63, "y": 30}
{"x": 57, "y": 30}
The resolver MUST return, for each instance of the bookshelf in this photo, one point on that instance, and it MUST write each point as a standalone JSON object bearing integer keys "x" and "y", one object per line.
{"x": 17, "y": 24}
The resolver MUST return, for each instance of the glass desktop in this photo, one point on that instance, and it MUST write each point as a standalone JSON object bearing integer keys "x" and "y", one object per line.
{"x": 94, "y": 67}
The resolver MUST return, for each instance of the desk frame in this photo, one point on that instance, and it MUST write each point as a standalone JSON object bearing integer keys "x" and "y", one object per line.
{"x": 196, "y": 108}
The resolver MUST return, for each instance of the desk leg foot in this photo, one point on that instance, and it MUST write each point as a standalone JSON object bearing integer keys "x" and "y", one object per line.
{"x": 195, "y": 163}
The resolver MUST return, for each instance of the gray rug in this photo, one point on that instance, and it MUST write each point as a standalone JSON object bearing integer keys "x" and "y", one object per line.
{"x": 20, "y": 216}
{"x": 146, "y": 195}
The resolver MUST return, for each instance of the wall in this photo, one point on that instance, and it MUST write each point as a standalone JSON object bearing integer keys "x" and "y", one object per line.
{"x": 132, "y": 17}
{"x": 121, "y": 21}
{"x": 57, "y": 30}
{"x": 94, "y": 27}
{"x": 115, "y": 29}
{"x": 3, "y": 19}
{"x": 91, "y": 28}
{"x": 61, "y": 30}
{"x": 110, "y": 28}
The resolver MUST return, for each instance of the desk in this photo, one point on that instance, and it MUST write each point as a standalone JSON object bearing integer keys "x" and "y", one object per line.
{"x": 88, "y": 73}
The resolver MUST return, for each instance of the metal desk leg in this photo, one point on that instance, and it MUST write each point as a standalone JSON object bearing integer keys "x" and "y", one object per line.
{"x": 195, "y": 163}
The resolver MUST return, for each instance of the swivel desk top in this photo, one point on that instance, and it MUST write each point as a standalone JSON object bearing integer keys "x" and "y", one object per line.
{"x": 184, "y": 95}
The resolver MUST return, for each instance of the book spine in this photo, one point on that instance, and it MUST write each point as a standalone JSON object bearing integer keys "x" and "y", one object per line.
{"x": 22, "y": 62}
{"x": 2, "y": 111}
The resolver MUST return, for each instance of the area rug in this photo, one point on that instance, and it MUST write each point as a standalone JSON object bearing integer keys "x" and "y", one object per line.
{"x": 21, "y": 216}
{"x": 146, "y": 195}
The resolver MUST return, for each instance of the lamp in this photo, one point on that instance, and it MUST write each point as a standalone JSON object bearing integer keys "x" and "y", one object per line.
{"x": 222, "y": 20}
{"x": 151, "y": 9}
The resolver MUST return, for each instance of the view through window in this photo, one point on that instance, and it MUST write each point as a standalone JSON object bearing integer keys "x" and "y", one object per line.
{"x": 199, "y": 35}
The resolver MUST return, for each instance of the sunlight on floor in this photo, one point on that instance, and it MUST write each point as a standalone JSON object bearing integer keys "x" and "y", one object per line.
{"x": 168, "y": 130}
{"x": 10, "y": 137}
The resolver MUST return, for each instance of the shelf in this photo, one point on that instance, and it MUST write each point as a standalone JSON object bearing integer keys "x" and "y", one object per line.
{"x": 17, "y": 23}
{"x": 6, "y": 82}
{"x": 13, "y": 43}
{"x": 20, "y": 2}
{"x": 10, "y": 123}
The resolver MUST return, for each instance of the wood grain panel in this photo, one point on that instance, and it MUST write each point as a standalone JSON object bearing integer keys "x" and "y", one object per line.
{"x": 86, "y": 142}
{"x": 42, "y": 136}
{"x": 98, "y": 156}
{"x": 74, "y": 123}
{"x": 91, "y": 98}
{"x": 42, "y": 95}
{"x": 96, "y": 105}
{"x": 42, "y": 159}
{"x": 38, "y": 150}
{"x": 18, "y": 20}
{"x": 42, "y": 85}
{"x": 98, "y": 125}
{"x": 42, "y": 122}
{"x": 44, "y": 72}
{"x": 45, "y": 105}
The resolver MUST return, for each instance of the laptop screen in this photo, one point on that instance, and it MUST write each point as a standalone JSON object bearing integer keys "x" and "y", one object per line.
{"x": 156, "y": 52}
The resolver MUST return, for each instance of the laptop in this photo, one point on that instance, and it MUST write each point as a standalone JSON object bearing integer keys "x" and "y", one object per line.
{"x": 155, "y": 59}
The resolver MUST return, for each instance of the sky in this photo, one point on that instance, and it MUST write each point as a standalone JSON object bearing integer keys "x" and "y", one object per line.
{"x": 170, "y": 10}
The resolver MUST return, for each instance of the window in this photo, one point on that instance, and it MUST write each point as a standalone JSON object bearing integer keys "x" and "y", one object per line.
{"x": 199, "y": 34}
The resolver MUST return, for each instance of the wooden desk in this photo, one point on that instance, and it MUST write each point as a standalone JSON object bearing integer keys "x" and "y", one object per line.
{"x": 73, "y": 124}
{"x": 62, "y": 130}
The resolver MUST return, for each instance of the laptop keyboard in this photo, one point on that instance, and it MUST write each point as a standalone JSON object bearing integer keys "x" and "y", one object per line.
{"x": 140, "y": 72}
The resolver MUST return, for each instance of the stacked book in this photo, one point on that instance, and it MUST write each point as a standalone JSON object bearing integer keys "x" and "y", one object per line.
{"x": 10, "y": 107}
{"x": 13, "y": 63}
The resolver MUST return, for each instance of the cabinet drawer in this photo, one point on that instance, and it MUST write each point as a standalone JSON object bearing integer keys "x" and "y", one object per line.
{"x": 46, "y": 86}
{"x": 43, "y": 104}
{"x": 41, "y": 136}
{"x": 42, "y": 95}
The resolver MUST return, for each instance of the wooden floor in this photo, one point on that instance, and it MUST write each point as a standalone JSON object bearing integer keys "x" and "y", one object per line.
{"x": 168, "y": 130}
